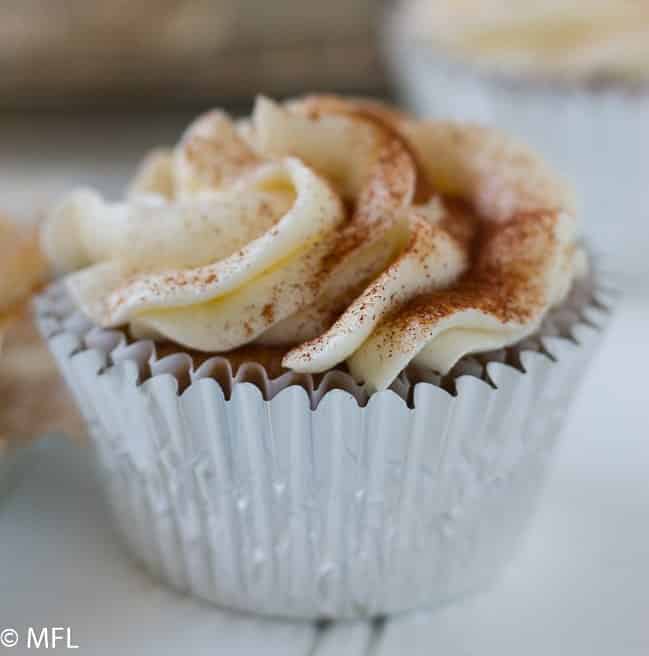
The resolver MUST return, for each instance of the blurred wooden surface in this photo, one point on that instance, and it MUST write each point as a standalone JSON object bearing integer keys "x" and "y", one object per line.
{"x": 62, "y": 53}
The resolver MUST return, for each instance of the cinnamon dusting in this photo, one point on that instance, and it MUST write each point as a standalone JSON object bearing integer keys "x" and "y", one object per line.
{"x": 499, "y": 210}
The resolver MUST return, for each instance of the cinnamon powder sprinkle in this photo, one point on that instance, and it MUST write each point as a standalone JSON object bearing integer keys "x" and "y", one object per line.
{"x": 491, "y": 193}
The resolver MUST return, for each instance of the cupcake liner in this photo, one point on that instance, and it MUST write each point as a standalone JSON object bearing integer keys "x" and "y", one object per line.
{"x": 596, "y": 136}
{"x": 292, "y": 499}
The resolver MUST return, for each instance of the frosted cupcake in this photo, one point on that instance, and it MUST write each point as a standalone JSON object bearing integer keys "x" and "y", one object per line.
{"x": 571, "y": 78}
{"x": 324, "y": 353}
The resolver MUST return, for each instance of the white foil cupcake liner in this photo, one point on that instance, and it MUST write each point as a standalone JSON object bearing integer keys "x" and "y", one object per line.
{"x": 595, "y": 136}
{"x": 275, "y": 498}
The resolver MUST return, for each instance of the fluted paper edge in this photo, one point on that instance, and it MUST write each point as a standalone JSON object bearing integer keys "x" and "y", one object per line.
{"x": 342, "y": 511}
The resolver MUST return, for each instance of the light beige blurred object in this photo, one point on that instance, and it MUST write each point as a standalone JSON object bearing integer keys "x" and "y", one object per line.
{"x": 58, "y": 52}
{"x": 587, "y": 41}
{"x": 22, "y": 267}
{"x": 34, "y": 399}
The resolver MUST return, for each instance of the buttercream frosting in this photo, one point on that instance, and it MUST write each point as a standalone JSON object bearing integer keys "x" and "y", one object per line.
{"x": 341, "y": 230}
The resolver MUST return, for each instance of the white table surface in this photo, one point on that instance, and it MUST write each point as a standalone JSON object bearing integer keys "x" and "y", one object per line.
{"x": 580, "y": 586}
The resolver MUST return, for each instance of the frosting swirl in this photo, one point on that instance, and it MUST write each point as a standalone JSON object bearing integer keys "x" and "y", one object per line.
{"x": 340, "y": 230}
{"x": 555, "y": 38}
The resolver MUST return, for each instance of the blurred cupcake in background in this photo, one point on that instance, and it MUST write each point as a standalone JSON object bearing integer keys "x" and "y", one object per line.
{"x": 571, "y": 77}
{"x": 32, "y": 400}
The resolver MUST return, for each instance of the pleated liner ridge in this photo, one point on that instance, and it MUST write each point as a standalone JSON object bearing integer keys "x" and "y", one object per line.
{"x": 271, "y": 497}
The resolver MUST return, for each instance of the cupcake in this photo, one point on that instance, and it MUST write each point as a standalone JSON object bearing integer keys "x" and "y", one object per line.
{"x": 22, "y": 268}
{"x": 324, "y": 353}
{"x": 569, "y": 77}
